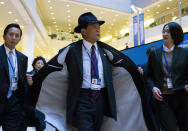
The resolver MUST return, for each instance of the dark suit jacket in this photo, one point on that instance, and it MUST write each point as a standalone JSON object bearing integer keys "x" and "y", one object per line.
{"x": 4, "y": 77}
{"x": 75, "y": 68}
{"x": 179, "y": 69}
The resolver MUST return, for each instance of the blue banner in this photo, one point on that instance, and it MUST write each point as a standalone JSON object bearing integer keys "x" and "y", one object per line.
{"x": 135, "y": 30}
{"x": 141, "y": 29}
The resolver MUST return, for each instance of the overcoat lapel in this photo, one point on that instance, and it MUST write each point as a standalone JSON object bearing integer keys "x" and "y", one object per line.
{"x": 78, "y": 55}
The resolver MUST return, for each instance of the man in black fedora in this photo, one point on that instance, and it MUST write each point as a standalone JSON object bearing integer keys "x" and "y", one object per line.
{"x": 89, "y": 62}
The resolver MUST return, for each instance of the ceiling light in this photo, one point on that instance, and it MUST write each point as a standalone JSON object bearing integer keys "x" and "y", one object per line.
{"x": 57, "y": 29}
{"x": 68, "y": 11}
{"x": 2, "y": 2}
{"x": 106, "y": 38}
{"x": 158, "y": 5}
{"x": 68, "y": 16}
{"x": 148, "y": 16}
{"x": 117, "y": 15}
{"x": 174, "y": 18}
{"x": 148, "y": 10}
{"x": 85, "y": 9}
{"x": 157, "y": 12}
{"x": 22, "y": 26}
{"x": 133, "y": 8}
{"x": 52, "y": 13}
{"x": 51, "y": 7}
{"x": 167, "y": 8}
{"x": 49, "y": 1}
{"x": 124, "y": 31}
{"x": 55, "y": 22}
{"x": 136, "y": 9}
{"x": 112, "y": 24}
{"x": 10, "y": 12}
{"x": 16, "y": 20}
{"x": 148, "y": 22}
{"x": 1, "y": 28}
{"x": 170, "y": 0}
{"x": 53, "y": 18}
{"x": 69, "y": 24}
{"x": 67, "y": 5}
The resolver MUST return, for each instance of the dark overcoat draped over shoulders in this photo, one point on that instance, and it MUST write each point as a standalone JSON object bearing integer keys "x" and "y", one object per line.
{"x": 61, "y": 80}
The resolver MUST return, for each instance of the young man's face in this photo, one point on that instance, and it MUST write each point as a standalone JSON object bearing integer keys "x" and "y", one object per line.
{"x": 12, "y": 37}
{"x": 92, "y": 32}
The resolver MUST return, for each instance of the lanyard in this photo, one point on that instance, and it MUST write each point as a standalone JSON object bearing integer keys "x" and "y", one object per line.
{"x": 13, "y": 68}
{"x": 95, "y": 66}
{"x": 167, "y": 66}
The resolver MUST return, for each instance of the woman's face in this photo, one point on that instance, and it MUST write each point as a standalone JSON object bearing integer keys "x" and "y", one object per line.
{"x": 38, "y": 65}
{"x": 166, "y": 35}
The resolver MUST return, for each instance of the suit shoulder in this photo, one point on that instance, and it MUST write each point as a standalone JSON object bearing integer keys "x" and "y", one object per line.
{"x": 72, "y": 45}
{"x": 21, "y": 54}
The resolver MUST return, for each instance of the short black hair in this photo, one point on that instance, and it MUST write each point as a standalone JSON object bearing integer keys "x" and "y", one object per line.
{"x": 12, "y": 25}
{"x": 176, "y": 32}
{"x": 36, "y": 59}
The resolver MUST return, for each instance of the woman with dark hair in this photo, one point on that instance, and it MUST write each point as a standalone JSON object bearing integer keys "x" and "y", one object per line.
{"x": 167, "y": 76}
{"x": 33, "y": 117}
{"x": 37, "y": 64}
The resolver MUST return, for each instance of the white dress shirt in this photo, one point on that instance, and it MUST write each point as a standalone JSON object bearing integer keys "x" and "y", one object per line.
{"x": 168, "y": 50}
{"x": 87, "y": 64}
{"x": 14, "y": 59}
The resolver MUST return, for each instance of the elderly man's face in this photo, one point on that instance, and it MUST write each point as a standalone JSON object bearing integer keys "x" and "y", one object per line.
{"x": 92, "y": 32}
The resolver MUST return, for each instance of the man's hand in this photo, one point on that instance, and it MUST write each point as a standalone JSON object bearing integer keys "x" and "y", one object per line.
{"x": 186, "y": 87}
{"x": 140, "y": 70}
{"x": 29, "y": 79}
{"x": 157, "y": 94}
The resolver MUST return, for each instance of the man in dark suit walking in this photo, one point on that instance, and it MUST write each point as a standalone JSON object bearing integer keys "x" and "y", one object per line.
{"x": 13, "y": 67}
{"x": 90, "y": 93}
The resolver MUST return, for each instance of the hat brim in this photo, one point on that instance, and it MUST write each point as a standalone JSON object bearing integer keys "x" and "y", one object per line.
{"x": 77, "y": 29}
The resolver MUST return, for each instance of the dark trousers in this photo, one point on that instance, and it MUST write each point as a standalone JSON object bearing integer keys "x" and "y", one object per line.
{"x": 33, "y": 118}
{"x": 90, "y": 114}
{"x": 173, "y": 112}
{"x": 12, "y": 118}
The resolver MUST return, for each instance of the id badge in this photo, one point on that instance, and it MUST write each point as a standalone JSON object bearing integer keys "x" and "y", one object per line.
{"x": 95, "y": 84}
{"x": 169, "y": 83}
{"x": 14, "y": 83}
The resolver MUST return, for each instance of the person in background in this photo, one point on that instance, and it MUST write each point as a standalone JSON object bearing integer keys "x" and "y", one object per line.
{"x": 33, "y": 117}
{"x": 167, "y": 75}
{"x": 149, "y": 105}
{"x": 13, "y": 82}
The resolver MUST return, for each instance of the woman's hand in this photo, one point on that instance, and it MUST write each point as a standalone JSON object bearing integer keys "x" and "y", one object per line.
{"x": 140, "y": 70}
{"x": 186, "y": 87}
{"x": 29, "y": 79}
{"x": 157, "y": 94}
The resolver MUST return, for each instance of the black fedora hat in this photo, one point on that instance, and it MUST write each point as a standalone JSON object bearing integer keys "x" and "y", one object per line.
{"x": 85, "y": 19}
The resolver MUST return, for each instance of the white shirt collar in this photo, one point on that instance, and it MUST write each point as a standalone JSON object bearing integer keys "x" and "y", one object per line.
{"x": 168, "y": 50}
{"x": 88, "y": 45}
{"x": 8, "y": 50}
